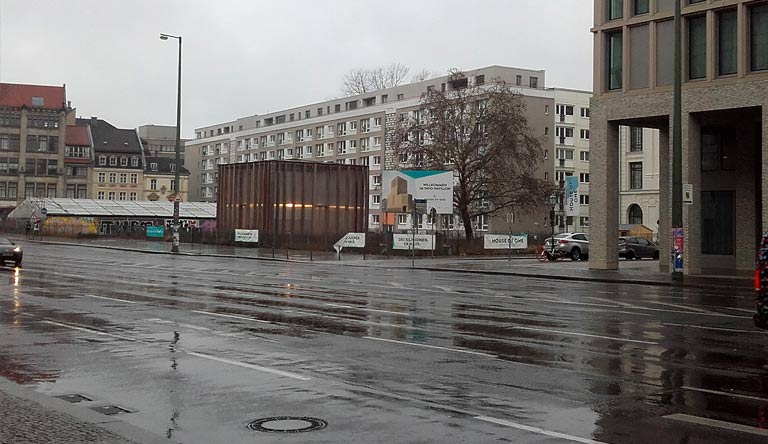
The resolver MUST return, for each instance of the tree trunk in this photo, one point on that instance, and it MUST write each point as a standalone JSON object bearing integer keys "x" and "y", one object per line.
{"x": 465, "y": 219}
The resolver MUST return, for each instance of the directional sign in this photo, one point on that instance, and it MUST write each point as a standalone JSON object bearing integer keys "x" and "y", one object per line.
{"x": 406, "y": 241}
{"x": 246, "y": 235}
{"x": 350, "y": 240}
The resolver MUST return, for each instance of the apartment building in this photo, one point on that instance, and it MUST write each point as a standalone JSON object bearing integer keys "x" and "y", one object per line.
{"x": 118, "y": 171}
{"x": 639, "y": 171}
{"x": 160, "y": 179}
{"x": 33, "y": 121}
{"x": 570, "y": 148}
{"x": 78, "y": 161}
{"x": 160, "y": 141}
{"x": 354, "y": 130}
{"x": 724, "y": 122}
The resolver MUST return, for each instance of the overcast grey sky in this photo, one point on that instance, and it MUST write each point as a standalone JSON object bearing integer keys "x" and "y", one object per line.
{"x": 245, "y": 57}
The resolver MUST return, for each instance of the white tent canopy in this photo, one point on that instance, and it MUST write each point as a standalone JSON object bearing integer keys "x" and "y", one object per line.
{"x": 114, "y": 208}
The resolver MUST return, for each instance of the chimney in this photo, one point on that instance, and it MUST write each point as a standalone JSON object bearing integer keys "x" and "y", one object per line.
{"x": 69, "y": 104}
{"x": 94, "y": 121}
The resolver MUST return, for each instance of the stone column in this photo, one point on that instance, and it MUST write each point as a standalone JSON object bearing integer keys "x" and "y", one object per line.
{"x": 692, "y": 258}
{"x": 604, "y": 190}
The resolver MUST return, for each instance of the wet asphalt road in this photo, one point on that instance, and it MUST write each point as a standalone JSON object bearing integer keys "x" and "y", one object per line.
{"x": 195, "y": 348}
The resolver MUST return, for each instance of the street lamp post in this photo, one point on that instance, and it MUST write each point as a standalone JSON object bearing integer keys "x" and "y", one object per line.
{"x": 552, "y": 205}
{"x": 176, "y": 180}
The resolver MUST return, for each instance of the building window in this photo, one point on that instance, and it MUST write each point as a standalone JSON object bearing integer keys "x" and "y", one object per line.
{"x": 759, "y": 37}
{"x": 615, "y": 48}
{"x": 384, "y": 98}
{"x": 584, "y": 199}
{"x": 122, "y": 195}
{"x": 134, "y": 161}
{"x": 546, "y": 175}
{"x": 100, "y": 195}
{"x": 123, "y": 178}
{"x": 375, "y": 219}
{"x": 726, "y": 42}
{"x": 153, "y": 166}
{"x": 480, "y": 80}
{"x": 697, "y": 47}
{"x": 584, "y": 156}
{"x": 153, "y": 184}
{"x": 635, "y": 139}
{"x": 111, "y": 195}
{"x": 173, "y": 185}
{"x": 377, "y": 160}
{"x": 133, "y": 195}
{"x": 481, "y": 222}
{"x": 102, "y": 160}
{"x": 636, "y": 175}
{"x": 635, "y": 215}
{"x": 584, "y": 177}
{"x": 400, "y": 97}
{"x": 584, "y": 221}
{"x": 585, "y": 113}
{"x": 402, "y": 219}
{"x": 715, "y": 144}
{"x": 615, "y": 9}
{"x": 717, "y": 223}
{"x": 112, "y": 177}
{"x": 123, "y": 161}
{"x": 533, "y": 82}
{"x": 113, "y": 160}
{"x": 102, "y": 177}
{"x": 376, "y": 199}
{"x": 641, "y": 7}
{"x": 584, "y": 134}
{"x": 134, "y": 178}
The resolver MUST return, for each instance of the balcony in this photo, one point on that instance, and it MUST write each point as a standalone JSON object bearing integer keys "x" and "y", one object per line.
{"x": 566, "y": 141}
{"x": 564, "y": 118}
{"x": 307, "y": 138}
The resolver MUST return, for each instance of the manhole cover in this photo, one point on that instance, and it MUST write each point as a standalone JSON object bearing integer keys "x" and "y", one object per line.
{"x": 287, "y": 424}
{"x": 74, "y": 398}
{"x": 110, "y": 410}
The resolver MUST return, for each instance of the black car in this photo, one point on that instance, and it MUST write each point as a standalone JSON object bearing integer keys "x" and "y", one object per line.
{"x": 632, "y": 247}
{"x": 10, "y": 252}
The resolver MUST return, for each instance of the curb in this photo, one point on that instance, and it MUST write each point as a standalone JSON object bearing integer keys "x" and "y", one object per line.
{"x": 111, "y": 424}
{"x": 606, "y": 280}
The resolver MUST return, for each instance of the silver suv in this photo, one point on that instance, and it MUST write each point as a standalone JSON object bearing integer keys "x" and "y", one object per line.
{"x": 574, "y": 245}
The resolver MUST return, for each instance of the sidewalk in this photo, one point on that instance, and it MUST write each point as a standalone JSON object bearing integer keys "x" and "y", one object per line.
{"x": 29, "y": 417}
{"x": 643, "y": 272}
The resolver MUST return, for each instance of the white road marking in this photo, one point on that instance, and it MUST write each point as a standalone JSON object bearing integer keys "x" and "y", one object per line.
{"x": 117, "y": 281}
{"x": 393, "y": 284}
{"x": 457, "y": 350}
{"x": 109, "y": 299}
{"x": 702, "y": 327}
{"x": 88, "y": 330}
{"x": 570, "y": 333}
{"x": 445, "y": 289}
{"x": 252, "y": 366}
{"x": 684, "y": 307}
{"x": 638, "y": 307}
{"x": 245, "y": 318}
{"x": 537, "y": 430}
{"x": 719, "y": 424}
{"x": 367, "y": 309}
{"x": 715, "y": 392}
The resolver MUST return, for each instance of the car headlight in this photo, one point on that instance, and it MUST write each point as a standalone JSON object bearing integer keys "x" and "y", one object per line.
{"x": 17, "y": 250}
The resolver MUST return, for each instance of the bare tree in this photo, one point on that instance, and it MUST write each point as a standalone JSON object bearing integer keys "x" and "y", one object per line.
{"x": 356, "y": 81}
{"x": 363, "y": 80}
{"x": 482, "y": 134}
{"x": 422, "y": 75}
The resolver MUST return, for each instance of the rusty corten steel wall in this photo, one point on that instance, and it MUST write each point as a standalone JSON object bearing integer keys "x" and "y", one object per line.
{"x": 312, "y": 199}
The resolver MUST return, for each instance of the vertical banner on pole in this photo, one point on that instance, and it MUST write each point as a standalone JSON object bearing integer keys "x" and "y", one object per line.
{"x": 678, "y": 242}
{"x": 572, "y": 205}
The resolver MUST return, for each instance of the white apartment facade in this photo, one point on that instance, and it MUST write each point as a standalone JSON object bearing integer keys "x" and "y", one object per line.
{"x": 351, "y": 130}
{"x": 639, "y": 171}
{"x": 571, "y": 151}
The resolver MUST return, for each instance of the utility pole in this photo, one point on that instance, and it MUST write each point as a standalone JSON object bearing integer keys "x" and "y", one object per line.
{"x": 176, "y": 179}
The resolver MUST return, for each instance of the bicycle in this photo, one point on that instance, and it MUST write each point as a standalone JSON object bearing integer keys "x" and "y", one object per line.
{"x": 546, "y": 255}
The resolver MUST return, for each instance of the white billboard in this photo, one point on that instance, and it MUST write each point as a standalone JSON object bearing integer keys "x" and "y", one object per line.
{"x": 246, "y": 235}
{"x": 405, "y": 241}
{"x": 505, "y": 242}
{"x": 399, "y": 190}
{"x": 572, "y": 204}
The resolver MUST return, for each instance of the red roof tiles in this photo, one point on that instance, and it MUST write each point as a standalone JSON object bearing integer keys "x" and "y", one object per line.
{"x": 18, "y": 95}
{"x": 77, "y": 136}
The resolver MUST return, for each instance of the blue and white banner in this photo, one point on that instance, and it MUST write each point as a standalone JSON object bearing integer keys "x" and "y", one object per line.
{"x": 572, "y": 205}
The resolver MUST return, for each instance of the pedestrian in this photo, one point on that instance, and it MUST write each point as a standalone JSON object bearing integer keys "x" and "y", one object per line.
{"x": 761, "y": 284}
{"x": 27, "y": 228}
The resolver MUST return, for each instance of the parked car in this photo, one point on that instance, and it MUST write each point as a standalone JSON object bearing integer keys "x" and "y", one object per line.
{"x": 574, "y": 245}
{"x": 632, "y": 247}
{"x": 10, "y": 252}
